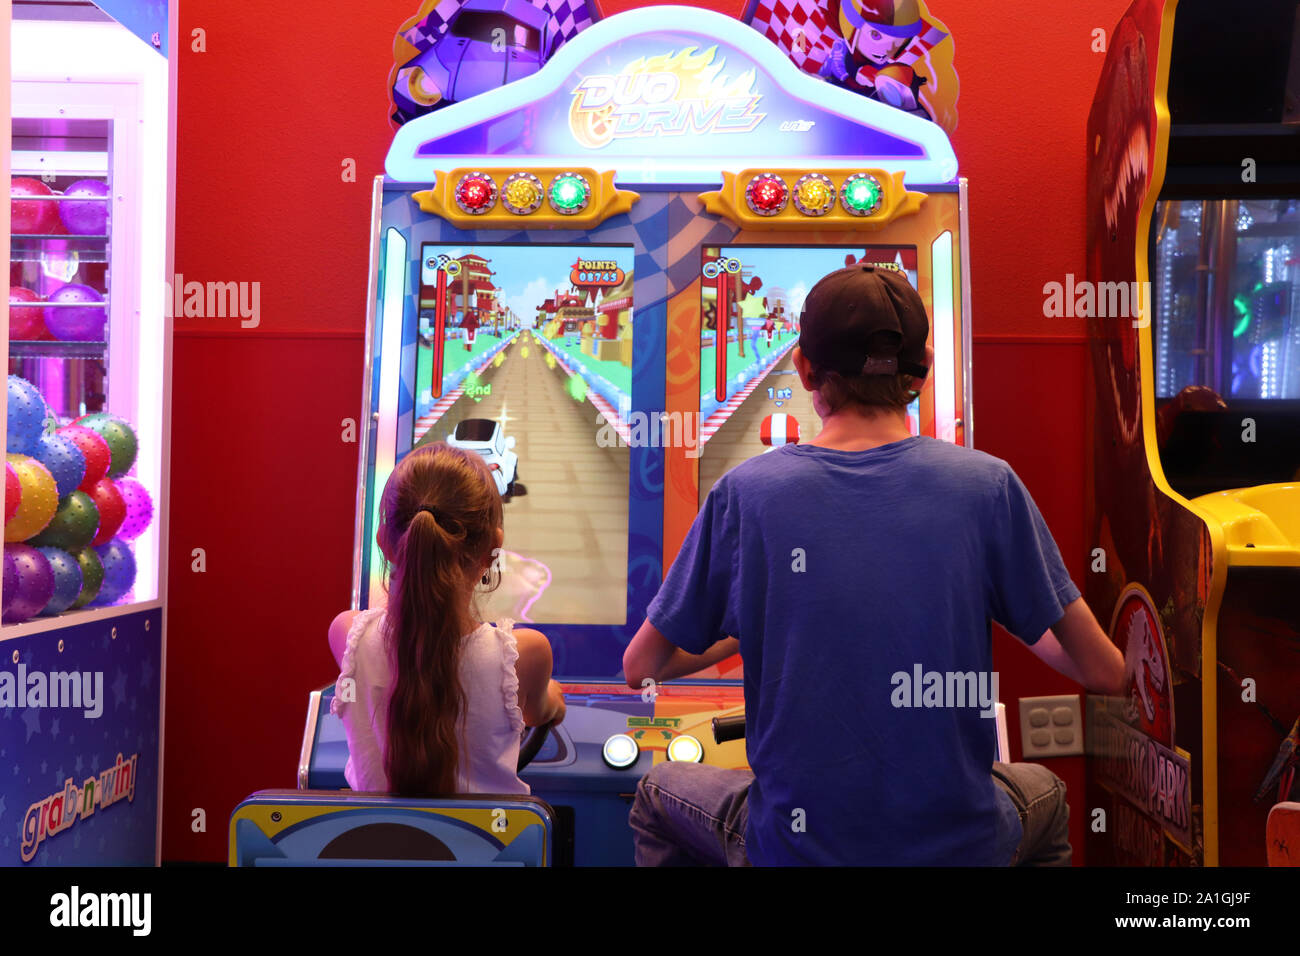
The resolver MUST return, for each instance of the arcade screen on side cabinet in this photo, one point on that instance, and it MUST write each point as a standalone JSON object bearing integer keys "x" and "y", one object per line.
{"x": 760, "y": 404}
{"x": 535, "y": 346}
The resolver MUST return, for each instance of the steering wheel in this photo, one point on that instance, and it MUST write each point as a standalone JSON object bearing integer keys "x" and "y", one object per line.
{"x": 530, "y": 743}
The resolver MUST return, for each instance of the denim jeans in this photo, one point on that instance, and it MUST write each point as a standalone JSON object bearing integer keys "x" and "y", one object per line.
{"x": 695, "y": 815}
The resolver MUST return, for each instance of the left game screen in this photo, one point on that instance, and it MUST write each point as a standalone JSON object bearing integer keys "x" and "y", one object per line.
{"x": 524, "y": 357}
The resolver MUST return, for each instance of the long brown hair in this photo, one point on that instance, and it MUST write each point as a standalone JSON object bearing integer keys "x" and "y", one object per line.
{"x": 437, "y": 526}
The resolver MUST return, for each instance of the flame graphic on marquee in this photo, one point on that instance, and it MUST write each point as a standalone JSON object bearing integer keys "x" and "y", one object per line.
{"x": 670, "y": 94}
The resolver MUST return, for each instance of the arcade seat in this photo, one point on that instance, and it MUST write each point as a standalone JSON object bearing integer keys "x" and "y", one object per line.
{"x": 342, "y": 828}
{"x": 334, "y": 826}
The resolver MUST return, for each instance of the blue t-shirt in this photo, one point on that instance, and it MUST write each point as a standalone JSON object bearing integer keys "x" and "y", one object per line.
{"x": 851, "y": 579}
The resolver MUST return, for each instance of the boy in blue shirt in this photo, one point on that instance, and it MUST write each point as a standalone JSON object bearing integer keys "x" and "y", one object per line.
{"x": 858, "y": 574}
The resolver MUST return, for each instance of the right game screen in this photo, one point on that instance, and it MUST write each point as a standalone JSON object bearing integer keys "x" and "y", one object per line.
{"x": 750, "y": 397}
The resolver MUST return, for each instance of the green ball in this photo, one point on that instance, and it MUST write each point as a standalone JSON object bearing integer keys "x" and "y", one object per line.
{"x": 120, "y": 437}
{"x": 74, "y": 525}
{"x": 92, "y": 576}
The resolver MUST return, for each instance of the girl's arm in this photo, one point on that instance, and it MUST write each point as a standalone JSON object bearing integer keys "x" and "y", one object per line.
{"x": 540, "y": 698}
{"x": 338, "y": 636}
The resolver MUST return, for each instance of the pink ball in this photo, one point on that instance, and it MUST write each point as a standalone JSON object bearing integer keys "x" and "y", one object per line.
{"x": 13, "y": 492}
{"x": 26, "y": 323}
{"x": 85, "y": 218}
{"x": 76, "y": 325}
{"x": 37, "y": 216}
{"x": 139, "y": 508}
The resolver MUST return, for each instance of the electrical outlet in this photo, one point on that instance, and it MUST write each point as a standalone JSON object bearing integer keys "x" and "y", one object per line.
{"x": 1051, "y": 727}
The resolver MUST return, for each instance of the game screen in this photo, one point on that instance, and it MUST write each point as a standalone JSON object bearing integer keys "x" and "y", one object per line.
{"x": 1226, "y": 289}
{"x": 525, "y": 358}
{"x": 750, "y": 397}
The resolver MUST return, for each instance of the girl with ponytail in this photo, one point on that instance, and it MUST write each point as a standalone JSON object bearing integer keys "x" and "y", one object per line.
{"x": 434, "y": 700}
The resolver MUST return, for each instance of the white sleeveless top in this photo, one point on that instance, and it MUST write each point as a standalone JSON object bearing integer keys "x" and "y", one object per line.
{"x": 491, "y": 721}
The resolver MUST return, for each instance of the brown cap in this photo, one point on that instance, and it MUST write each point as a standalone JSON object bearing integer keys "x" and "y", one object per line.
{"x": 865, "y": 319}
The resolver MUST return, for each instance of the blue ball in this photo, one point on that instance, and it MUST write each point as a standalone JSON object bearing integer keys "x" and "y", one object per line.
{"x": 119, "y": 572}
{"x": 67, "y": 579}
{"x": 64, "y": 459}
{"x": 27, "y": 413}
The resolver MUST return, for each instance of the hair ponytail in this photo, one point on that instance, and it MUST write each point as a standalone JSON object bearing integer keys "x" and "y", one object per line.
{"x": 439, "y": 514}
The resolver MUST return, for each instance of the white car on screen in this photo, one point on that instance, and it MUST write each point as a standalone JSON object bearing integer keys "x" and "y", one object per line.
{"x": 488, "y": 440}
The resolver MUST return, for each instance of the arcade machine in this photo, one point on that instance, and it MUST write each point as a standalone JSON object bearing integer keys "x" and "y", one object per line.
{"x": 88, "y": 344}
{"x": 593, "y": 277}
{"x": 1194, "y": 410}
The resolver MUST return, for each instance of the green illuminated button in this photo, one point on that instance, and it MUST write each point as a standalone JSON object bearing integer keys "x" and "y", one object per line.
{"x": 861, "y": 194}
{"x": 569, "y": 193}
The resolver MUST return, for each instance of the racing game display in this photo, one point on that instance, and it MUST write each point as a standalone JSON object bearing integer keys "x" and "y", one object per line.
{"x": 524, "y": 356}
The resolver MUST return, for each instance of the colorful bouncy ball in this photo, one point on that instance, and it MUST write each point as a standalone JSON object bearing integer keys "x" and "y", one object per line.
{"x": 38, "y": 502}
{"x": 10, "y": 580}
{"x": 64, "y": 459}
{"x": 73, "y": 526}
{"x": 26, "y": 322}
{"x": 13, "y": 492}
{"x": 96, "y": 451}
{"x": 26, "y": 416}
{"x": 120, "y": 437}
{"x": 67, "y": 579}
{"x": 112, "y": 510}
{"x": 77, "y": 314}
{"x": 32, "y": 215}
{"x": 139, "y": 508}
{"x": 92, "y": 576}
{"x": 119, "y": 572}
{"x": 35, "y": 585}
{"x": 84, "y": 218}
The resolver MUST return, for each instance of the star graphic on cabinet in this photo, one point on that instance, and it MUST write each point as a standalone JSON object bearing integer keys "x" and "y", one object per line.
{"x": 32, "y": 721}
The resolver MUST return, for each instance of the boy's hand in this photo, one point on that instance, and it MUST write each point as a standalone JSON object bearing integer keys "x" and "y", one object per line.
{"x": 652, "y": 655}
{"x": 1077, "y": 647}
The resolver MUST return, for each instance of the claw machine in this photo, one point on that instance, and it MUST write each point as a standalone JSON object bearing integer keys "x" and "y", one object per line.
{"x": 88, "y": 343}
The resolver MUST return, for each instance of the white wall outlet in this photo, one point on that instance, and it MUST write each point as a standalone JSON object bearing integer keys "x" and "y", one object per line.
{"x": 1051, "y": 727}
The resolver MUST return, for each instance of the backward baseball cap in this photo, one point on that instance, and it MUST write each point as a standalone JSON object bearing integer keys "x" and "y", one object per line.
{"x": 865, "y": 319}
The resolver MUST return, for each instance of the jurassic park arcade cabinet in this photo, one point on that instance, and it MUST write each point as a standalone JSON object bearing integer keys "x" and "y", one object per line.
{"x": 1194, "y": 437}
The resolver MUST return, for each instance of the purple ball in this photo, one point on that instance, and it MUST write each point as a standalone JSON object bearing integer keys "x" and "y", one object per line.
{"x": 76, "y": 325}
{"x": 85, "y": 218}
{"x": 139, "y": 508}
{"x": 35, "y": 584}
{"x": 10, "y": 579}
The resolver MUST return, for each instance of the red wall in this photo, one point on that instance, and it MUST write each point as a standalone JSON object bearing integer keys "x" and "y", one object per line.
{"x": 261, "y": 480}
